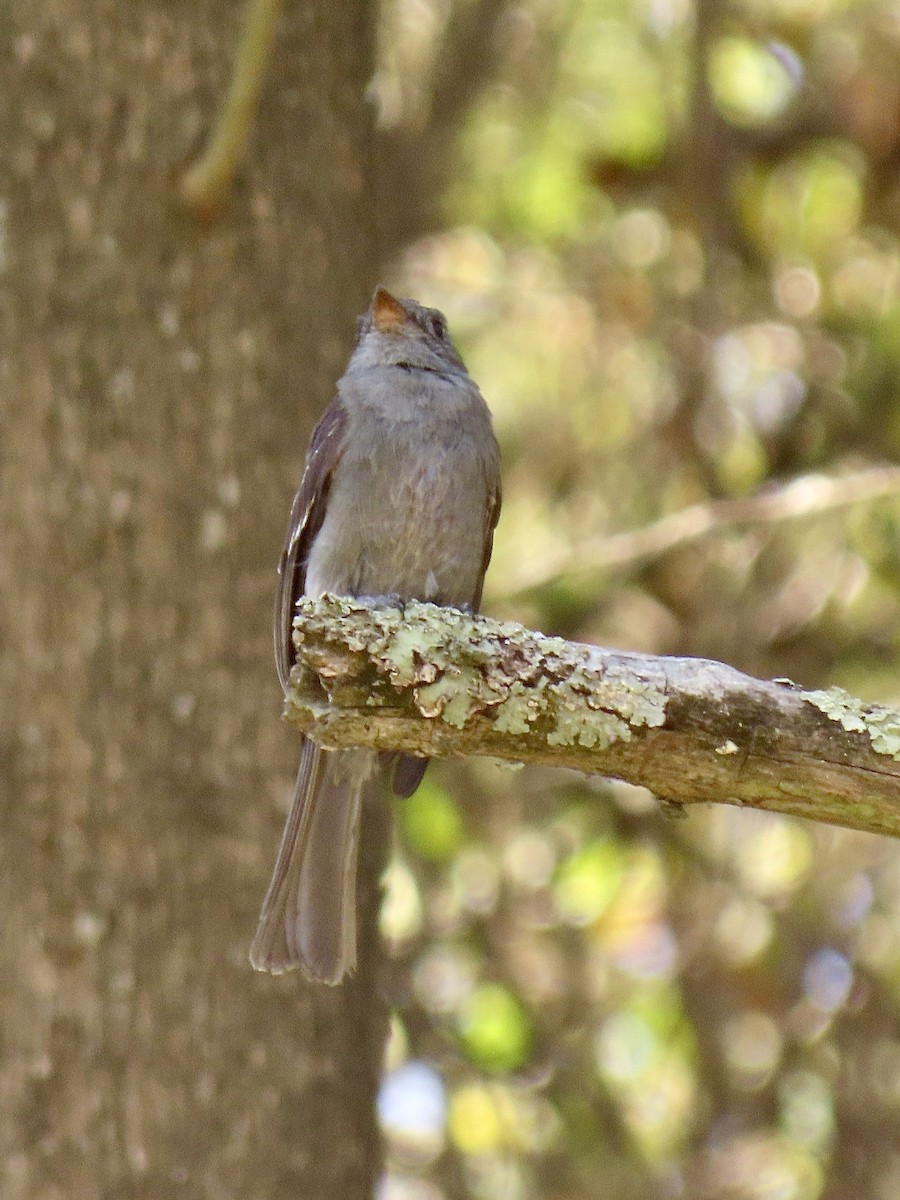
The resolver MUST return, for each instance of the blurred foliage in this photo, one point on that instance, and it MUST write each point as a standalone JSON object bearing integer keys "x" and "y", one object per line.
{"x": 672, "y": 260}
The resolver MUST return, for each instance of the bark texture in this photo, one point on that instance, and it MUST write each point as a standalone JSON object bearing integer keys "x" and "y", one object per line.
{"x": 159, "y": 382}
{"x": 437, "y": 681}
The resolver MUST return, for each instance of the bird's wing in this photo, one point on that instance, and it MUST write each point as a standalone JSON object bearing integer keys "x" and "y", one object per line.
{"x": 494, "y": 501}
{"x": 307, "y": 515}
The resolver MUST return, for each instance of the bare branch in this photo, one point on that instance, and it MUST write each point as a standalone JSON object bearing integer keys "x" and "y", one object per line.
{"x": 438, "y": 682}
{"x": 206, "y": 184}
{"x": 805, "y": 496}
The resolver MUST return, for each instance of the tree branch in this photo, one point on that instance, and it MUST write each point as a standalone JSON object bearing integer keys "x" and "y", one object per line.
{"x": 205, "y": 185}
{"x": 804, "y": 496}
{"x": 439, "y": 682}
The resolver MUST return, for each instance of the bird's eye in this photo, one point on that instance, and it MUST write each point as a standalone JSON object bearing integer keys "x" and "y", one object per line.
{"x": 438, "y": 326}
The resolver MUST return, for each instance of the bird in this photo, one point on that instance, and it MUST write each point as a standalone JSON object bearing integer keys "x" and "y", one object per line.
{"x": 399, "y": 497}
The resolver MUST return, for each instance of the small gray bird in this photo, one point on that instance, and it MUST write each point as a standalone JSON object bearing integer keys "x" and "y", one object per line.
{"x": 400, "y": 495}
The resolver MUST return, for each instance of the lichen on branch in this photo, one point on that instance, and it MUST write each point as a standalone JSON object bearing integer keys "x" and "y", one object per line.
{"x": 434, "y": 681}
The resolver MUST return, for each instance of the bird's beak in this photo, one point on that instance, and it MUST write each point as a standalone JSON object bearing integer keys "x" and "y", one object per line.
{"x": 388, "y": 314}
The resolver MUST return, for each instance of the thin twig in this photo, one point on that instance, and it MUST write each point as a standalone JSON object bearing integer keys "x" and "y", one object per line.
{"x": 805, "y": 496}
{"x": 205, "y": 186}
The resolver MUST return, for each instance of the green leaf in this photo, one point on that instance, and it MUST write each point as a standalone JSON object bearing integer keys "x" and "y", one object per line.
{"x": 495, "y": 1029}
{"x": 431, "y": 822}
{"x": 589, "y": 881}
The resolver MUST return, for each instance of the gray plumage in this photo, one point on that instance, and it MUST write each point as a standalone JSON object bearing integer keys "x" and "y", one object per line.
{"x": 399, "y": 496}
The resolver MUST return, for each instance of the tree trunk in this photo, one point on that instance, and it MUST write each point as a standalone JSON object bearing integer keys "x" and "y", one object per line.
{"x": 159, "y": 383}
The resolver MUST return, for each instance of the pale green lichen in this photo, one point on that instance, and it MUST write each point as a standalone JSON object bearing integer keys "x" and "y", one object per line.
{"x": 840, "y": 706}
{"x": 880, "y": 723}
{"x": 451, "y": 660}
{"x": 587, "y": 709}
{"x": 518, "y": 710}
{"x": 401, "y": 649}
{"x": 884, "y": 730}
{"x": 638, "y": 701}
{"x": 597, "y": 730}
{"x": 448, "y": 697}
{"x": 617, "y": 704}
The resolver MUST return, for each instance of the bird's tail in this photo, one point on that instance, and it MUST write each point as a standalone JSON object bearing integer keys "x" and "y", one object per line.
{"x": 308, "y": 917}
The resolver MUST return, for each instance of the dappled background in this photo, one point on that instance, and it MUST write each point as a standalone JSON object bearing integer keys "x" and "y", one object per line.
{"x": 670, "y": 254}
{"x": 667, "y": 240}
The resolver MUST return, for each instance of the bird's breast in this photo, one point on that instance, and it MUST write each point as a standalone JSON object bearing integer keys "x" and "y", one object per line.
{"x": 406, "y": 513}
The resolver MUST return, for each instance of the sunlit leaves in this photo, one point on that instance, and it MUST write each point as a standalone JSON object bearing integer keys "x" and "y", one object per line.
{"x": 752, "y": 1045}
{"x": 668, "y": 302}
{"x": 645, "y": 1053}
{"x": 589, "y": 880}
{"x": 494, "y": 1028}
{"x": 529, "y": 167}
{"x": 773, "y": 855}
{"x": 617, "y": 98}
{"x": 431, "y": 821}
{"x": 807, "y": 205}
{"x": 533, "y": 180}
{"x": 758, "y": 1166}
{"x": 752, "y": 82}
